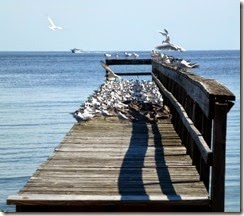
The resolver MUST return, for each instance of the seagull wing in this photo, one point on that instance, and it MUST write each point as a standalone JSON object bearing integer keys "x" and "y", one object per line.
{"x": 166, "y": 31}
{"x": 179, "y": 48}
{"x": 122, "y": 116}
{"x": 51, "y": 22}
{"x": 164, "y": 34}
{"x": 166, "y": 47}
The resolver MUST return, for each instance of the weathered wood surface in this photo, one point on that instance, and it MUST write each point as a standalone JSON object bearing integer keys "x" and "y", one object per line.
{"x": 130, "y": 166}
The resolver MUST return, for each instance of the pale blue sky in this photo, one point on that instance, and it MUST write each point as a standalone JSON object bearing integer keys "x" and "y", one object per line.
{"x": 96, "y": 25}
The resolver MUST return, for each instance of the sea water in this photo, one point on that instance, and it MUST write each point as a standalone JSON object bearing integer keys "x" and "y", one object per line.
{"x": 39, "y": 90}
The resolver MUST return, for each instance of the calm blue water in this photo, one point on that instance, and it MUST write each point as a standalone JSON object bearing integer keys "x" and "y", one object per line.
{"x": 38, "y": 90}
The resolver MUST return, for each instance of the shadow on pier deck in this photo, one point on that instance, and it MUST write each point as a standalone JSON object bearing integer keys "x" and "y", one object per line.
{"x": 105, "y": 165}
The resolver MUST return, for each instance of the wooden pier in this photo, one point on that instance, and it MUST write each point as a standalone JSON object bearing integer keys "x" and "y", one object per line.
{"x": 106, "y": 165}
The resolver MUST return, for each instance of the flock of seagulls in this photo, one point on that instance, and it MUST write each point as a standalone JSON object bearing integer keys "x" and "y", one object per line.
{"x": 126, "y": 55}
{"x": 129, "y": 100}
{"x": 177, "y": 63}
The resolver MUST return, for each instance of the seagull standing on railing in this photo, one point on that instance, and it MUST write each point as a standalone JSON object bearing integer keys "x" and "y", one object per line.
{"x": 53, "y": 26}
{"x": 135, "y": 55}
{"x": 183, "y": 64}
{"x": 127, "y": 55}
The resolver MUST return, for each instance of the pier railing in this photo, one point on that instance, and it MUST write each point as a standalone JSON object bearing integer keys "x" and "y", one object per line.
{"x": 130, "y": 62}
{"x": 199, "y": 107}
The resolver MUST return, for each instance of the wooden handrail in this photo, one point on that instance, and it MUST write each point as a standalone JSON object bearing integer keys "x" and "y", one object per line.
{"x": 196, "y": 135}
{"x": 203, "y": 91}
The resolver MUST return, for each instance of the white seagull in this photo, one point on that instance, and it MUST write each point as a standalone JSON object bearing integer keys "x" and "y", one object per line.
{"x": 166, "y": 34}
{"x": 53, "y": 26}
{"x": 183, "y": 64}
{"x": 105, "y": 113}
{"x": 135, "y": 55}
{"x": 127, "y": 55}
{"x": 122, "y": 117}
{"x": 111, "y": 76}
{"x": 107, "y": 55}
{"x": 170, "y": 46}
{"x": 85, "y": 116}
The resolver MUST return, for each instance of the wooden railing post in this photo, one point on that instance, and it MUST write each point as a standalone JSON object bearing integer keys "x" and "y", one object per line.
{"x": 219, "y": 149}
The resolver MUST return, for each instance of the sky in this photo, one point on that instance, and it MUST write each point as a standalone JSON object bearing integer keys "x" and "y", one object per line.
{"x": 102, "y": 25}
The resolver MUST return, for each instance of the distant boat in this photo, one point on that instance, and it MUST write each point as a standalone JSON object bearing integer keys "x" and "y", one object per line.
{"x": 75, "y": 50}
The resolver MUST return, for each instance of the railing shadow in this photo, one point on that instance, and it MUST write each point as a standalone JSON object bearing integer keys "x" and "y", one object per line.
{"x": 164, "y": 177}
{"x": 130, "y": 182}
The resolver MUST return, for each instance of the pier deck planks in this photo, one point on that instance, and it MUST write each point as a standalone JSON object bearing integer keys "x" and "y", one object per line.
{"x": 106, "y": 165}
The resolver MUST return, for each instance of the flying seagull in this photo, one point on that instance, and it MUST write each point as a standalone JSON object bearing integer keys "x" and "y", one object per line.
{"x": 53, "y": 26}
{"x": 166, "y": 34}
{"x": 169, "y": 46}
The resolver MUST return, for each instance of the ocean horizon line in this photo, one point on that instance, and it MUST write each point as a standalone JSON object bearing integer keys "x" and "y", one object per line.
{"x": 102, "y": 51}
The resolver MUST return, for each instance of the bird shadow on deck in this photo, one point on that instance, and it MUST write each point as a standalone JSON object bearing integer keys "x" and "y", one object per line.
{"x": 133, "y": 181}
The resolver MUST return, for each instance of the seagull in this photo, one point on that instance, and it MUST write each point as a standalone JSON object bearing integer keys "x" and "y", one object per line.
{"x": 127, "y": 54}
{"x": 82, "y": 116}
{"x": 52, "y": 26}
{"x": 135, "y": 55}
{"x": 111, "y": 76}
{"x": 105, "y": 114}
{"x": 107, "y": 55}
{"x": 170, "y": 46}
{"x": 122, "y": 117}
{"x": 166, "y": 34}
{"x": 183, "y": 64}
{"x": 166, "y": 46}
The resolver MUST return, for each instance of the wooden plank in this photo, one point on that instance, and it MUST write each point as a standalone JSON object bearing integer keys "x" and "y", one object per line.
{"x": 67, "y": 199}
{"x": 151, "y": 150}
